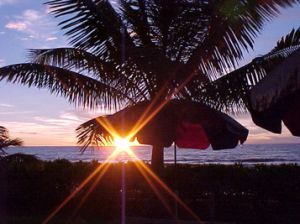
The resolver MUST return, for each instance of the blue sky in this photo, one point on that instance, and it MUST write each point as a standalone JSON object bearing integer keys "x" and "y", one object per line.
{"x": 44, "y": 119}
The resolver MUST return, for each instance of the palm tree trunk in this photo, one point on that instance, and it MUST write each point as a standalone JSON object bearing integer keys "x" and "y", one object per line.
{"x": 157, "y": 160}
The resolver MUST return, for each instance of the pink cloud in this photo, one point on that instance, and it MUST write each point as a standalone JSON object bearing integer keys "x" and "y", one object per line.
{"x": 20, "y": 26}
{"x": 51, "y": 38}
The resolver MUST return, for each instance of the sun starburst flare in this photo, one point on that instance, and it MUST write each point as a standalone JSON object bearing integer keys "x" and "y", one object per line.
{"x": 123, "y": 144}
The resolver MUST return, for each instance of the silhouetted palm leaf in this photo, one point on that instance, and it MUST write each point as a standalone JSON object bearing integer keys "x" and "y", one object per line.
{"x": 92, "y": 25}
{"x": 280, "y": 82}
{"x": 6, "y": 141}
{"x": 77, "y": 88}
{"x": 87, "y": 63}
{"x": 231, "y": 92}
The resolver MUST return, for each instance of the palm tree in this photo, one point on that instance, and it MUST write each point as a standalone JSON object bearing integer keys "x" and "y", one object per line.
{"x": 6, "y": 141}
{"x": 148, "y": 51}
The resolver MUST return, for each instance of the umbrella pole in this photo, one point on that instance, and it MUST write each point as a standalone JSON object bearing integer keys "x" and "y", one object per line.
{"x": 175, "y": 181}
{"x": 175, "y": 155}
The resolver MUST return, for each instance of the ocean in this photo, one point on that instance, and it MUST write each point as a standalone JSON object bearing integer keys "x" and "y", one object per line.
{"x": 245, "y": 154}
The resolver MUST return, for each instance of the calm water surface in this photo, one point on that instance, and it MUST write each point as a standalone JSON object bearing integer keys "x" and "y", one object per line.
{"x": 247, "y": 154}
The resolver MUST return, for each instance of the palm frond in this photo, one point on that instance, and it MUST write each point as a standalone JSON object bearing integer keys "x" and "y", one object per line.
{"x": 3, "y": 133}
{"x": 6, "y": 141}
{"x": 281, "y": 83}
{"x": 232, "y": 27}
{"x": 70, "y": 58}
{"x": 90, "y": 25}
{"x": 103, "y": 69}
{"x": 89, "y": 134}
{"x": 231, "y": 92}
{"x": 14, "y": 142}
{"x": 77, "y": 88}
{"x": 135, "y": 13}
{"x": 208, "y": 36}
{"x": 286, "y": 45}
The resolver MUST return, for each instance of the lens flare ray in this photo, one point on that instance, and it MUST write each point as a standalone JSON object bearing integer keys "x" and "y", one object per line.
{"x": 79, "y": 188}
{"x": 166, "y": 188}
{"x": 142, "y": 121}
{"x": 155, "y": 189}
{"x": 91, "y": 188}
{"x": 147, "y": 116}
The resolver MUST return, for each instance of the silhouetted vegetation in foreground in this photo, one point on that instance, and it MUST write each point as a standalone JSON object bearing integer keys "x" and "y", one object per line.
{"x": 31, "y": 189}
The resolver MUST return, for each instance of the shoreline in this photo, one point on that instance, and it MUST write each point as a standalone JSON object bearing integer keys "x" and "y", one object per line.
{"x": 242, "y": 163}
{"x": 247, "y": 155}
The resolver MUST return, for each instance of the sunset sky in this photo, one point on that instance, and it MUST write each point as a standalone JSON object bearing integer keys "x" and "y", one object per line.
{"x": 40, "y": 118}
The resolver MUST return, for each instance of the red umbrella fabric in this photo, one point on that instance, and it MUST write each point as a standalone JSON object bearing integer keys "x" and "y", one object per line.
{"x": 189, "y": 135}
{"x": 188, "y": 124}
{"x": 276, "y": 98}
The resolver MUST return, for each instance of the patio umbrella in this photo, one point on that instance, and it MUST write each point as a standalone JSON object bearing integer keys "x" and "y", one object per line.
{"x": 277, "y": 97}
{"x": 188, "y": 124}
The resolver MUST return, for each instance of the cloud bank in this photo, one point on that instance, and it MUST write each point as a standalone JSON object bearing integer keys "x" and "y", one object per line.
{"x": 35, "y": 27}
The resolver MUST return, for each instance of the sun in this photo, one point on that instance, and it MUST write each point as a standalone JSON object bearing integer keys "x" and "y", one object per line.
{"x": 122, "y": 144}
